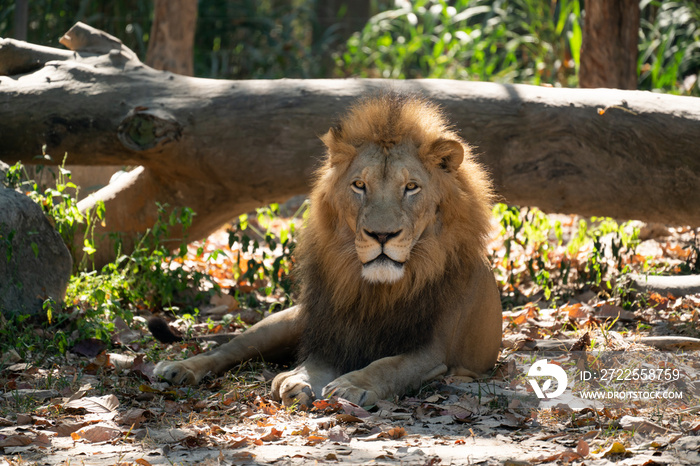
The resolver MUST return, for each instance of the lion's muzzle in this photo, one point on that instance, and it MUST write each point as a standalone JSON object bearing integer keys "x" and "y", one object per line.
{"x": 382, "y": 261}
{"x": 382, "y": 269}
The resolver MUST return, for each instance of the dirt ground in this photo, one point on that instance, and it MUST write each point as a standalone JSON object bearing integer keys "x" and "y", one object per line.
{"x": 231, "y": 420}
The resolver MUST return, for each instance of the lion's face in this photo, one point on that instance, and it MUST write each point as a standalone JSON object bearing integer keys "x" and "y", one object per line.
{"x": 390, "y": 202}
{"x": 398, "y": 197}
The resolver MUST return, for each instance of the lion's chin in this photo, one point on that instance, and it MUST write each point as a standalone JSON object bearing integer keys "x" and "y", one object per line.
{"x": 382, "y": 270}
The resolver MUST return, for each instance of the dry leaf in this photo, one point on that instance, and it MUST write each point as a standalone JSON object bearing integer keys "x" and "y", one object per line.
{"x": 352, "y": 408}
{"x": 90, "y": 347}
{"x": 123, "y": 333}
{"x": 18, "y": 440}
{"x": 582, "y": 448}
{"x": 98, "y": 433}
{"x": 80, "y": 393}
{"x": 338, "y": 434}
{"x": 23, "y": 419}
{"x": 394, "y": 433}
{"x": 347, "y": 418}
{"x": 576, "y": 311}
{"x": 66, "y": 427}
{"x": 272, "y": 436}
{"x": 303, "y": 432}
{"x": 244, "y": 442}
{"x": 133, "y": 417}
{"x": 639, "y": 424}
{"x": 42, "y": 440}
{"x": 95, "y": 404}
{"x": 582, "y": 343}
{"x": 615, "y": 449}
{"x": 242, "y": 456}
{"x": 315, "y": 440}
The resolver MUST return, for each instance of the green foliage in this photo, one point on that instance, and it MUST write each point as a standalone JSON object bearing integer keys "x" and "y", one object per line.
{"x": 129, "y": 20}
{"x": 152, "y": 276}
{"x": 553, "y": 261}
{"x": 37, "y": 342}
{"x": 669, "y": 47}
{"x": 528, "y": 41}
{"x": 524, "y": 41}
{"x": 271, "y": 260}
{"x": 59, "y": 202}
{"x": 238, "y": 39}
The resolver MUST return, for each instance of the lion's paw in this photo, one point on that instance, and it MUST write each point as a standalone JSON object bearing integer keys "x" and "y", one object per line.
{"x": 293, "y": 387}
{"x": 176, "y": 372}
{"x": 345, "y": 387}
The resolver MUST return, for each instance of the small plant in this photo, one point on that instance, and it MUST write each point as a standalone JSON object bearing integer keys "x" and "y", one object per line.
{"x": 553, "y": 265}
{"x": 59, "y": 202}
{"x": 691, "y": 265}
{"x": 270, "y": 249}
{"x": 152, "y": 276}
{"x": 508, "y": 41}
{"x": 669, "y": 46}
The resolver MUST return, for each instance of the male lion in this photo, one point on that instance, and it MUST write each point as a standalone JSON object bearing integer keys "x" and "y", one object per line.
{"x": 395, "y": 288}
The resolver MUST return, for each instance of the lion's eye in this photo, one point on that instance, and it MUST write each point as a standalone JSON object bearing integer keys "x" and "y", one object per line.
{"x": 412, "y": 188}
{"x": 358, "y": 185}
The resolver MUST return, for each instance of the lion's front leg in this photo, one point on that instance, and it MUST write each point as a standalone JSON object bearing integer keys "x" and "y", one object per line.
{"x": 303, "y": 384}
{"x": 277, "y": 333}
{"x": 386, "y": 377}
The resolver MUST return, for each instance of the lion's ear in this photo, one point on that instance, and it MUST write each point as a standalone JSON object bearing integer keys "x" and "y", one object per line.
{"x": 339, "y": 151}
{"x": 447, "y": 154}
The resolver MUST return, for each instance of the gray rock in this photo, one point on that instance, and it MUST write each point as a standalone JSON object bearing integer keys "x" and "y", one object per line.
{"x": 34, "y": 262}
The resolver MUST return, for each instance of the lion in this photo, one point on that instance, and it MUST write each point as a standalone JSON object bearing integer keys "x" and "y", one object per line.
{"x": 395, "y": 288}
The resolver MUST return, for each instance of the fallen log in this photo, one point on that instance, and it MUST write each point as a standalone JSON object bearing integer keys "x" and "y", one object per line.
{"x": 663, "y": 343}
{"x": 224, "y": 147}
{"x": 676, "y": 285}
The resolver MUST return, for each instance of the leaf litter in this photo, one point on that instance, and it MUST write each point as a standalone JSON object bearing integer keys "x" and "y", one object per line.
{"x": 107, "y": 408}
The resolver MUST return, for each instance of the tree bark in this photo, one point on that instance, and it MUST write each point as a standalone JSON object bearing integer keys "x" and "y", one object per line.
{"x": 609, "y": 48}
{"x": 171, "y": 43}
{"x": 21, "y": 19}
{"x": 337, "y": 20}
{"x": 225, "y": 147}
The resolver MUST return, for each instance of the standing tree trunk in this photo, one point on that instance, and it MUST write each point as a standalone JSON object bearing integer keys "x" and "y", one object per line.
{"x": 345, "y": 16}
{"x": 171, "y": 44}
{"x": 609, "y": 49}
{"x": 21, "y": 17}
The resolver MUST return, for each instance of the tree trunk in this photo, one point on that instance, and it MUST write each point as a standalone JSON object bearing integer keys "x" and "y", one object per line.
{"x": 21, "y": 19}
{"x": 609, "y": 49}
{"x": 338, "y": 19}
{"x": 170, "y": 48}
{"x": 171, "y": 43}
{"x": 225, "y": 147}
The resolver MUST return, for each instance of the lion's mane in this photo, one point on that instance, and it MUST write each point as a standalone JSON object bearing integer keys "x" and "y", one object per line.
{"x": 349, "y": 322}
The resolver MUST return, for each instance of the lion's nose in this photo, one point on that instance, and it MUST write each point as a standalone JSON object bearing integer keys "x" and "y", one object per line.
{"x": 382, "y": 238}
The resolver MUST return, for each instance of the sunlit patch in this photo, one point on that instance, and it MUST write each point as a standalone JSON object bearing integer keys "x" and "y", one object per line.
{"x": 382, "y": 270}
